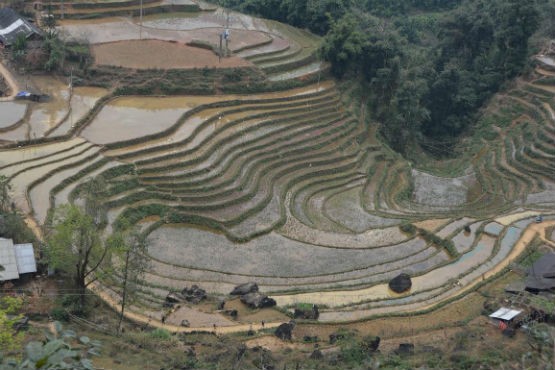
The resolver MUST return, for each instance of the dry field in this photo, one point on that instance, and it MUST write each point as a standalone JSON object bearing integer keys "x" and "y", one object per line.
{"x": 156, "y": 54}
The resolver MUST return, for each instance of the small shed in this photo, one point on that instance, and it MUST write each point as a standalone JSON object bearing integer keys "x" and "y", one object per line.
{"x": 504, "y": 316}
{"x": 541, "y": 275}
{"x": 12, "y": 25}
{"x": 8, "y": 260}
{"x": 25, "y": 258}
{"x": 16, "y": 259}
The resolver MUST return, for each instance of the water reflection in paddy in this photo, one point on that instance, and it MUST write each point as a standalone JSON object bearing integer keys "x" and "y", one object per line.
{"x": 133, "y": 117}
{"x": 10, "y": 113}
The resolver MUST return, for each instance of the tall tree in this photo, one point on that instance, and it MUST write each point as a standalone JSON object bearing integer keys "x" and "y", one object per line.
{"x": 75, "y": 246}
{"x": 130, "y": 248}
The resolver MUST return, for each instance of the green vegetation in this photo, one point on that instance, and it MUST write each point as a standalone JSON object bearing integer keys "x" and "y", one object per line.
{"x": 75, "y": 247}
{"x": 62, "y": 350}
{"x": 130, "y": 247}
{"x": 425, "y": 66}
{"x": 10, "y": 338}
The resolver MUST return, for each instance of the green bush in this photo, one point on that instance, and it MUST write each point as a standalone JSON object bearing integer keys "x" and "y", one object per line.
{"x": 159, "y": 333}
{"x": 59, "y": 314}
{"x": 408, "y": 229}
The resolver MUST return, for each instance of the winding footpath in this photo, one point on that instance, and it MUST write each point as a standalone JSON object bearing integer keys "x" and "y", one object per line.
{"x": 12, "y": 83}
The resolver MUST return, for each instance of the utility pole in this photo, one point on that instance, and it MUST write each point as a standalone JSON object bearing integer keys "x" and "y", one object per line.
{"x": 220, "y": 53}
{"x": 141, "y": 21}
{"x": 227, "y": 32}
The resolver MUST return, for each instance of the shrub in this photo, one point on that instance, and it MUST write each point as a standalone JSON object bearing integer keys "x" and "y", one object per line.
{"x": 408, "y": 229}
{"x": 59, "y": 314}
{"x": 159, "y": 333}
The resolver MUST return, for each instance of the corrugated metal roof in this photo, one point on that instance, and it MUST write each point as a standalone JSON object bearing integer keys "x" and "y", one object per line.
{"x": 505, "y": 314}
{"x": 7, "y": 260}
{"x": 12, "y": 25}
{"x": 25, "y": 258}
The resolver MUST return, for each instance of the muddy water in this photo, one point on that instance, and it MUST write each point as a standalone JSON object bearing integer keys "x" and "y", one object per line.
{"x": 10, "y": 113}
{"x": 82, "y": 101}
{"x": 48, "y": 114}
{"x": 12, "y": 156}
{"x": 187, "y": 128}
{"x": 133, "y": 117}
{"x": 19, "y": 134}
{"x": 21, "y": 182}
{"x": 18, "y": 167}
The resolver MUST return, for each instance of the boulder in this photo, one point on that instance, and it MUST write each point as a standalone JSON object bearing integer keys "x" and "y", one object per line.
{"x": 175, "y": 298}
{"x": 232, "y": 313}
{"x": 257, "y": 300}
{"x": 405, "y": 349}
{"x": 310, "y": 339}
{"x": 334, "y": 337}
{"x": 285, "y": 331}
{"x": 308, "y": 314}
{"x": 401, "y": 283}
{"x": 370, "y": 343}
{"x": 245, "y": 289}
{"x": 194, "y": 294}
{"x": 185, "y": 323}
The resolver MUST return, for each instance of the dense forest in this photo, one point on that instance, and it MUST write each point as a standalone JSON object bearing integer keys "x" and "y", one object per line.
{"x": 424, "y": 67}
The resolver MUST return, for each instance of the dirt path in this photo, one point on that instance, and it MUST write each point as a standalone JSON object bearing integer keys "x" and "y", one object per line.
{"x": 14, "y": 87}
{"x": 145, "y": 320}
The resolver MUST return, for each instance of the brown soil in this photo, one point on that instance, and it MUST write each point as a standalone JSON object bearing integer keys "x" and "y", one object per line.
{"x": 146, "y": 54}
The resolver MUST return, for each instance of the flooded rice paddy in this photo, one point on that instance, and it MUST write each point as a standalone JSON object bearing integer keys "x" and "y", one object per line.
{"x": 133, "y": 117}
{"x": 11, "y": 113}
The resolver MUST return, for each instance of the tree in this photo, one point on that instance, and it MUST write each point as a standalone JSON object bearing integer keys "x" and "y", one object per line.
{"x": 130, "y": 248}
{"x": 75, "y": 246}
{"x": 5, "y": 188}
{"x": 10, "y": 340}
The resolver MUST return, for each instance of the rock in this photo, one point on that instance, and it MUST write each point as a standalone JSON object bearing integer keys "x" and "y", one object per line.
{"x": 370, "y": 343}
{"x": 310, "y": 339}
{"x": 194, "y": 294}
{"x": 285, "y": 331}
{"x": 334, "y": 337}
{"x": 245, "y": 289}
{"x": 307, "y": 314}
{"x": 174, "y": 298}
{"x": 405, "y": 349}
{"x": 401, "y": 283}
{"x": 257, "y": 300}
{"x": 167, "y": 304}
{"x": 316, "y": 355}
{"x": 231, "y": 313}
{"x": 185, "y": 323}
{"x": 221, "y": 305}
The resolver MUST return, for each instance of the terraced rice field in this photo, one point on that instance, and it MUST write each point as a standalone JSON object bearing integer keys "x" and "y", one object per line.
{"x": 287, "y": 188}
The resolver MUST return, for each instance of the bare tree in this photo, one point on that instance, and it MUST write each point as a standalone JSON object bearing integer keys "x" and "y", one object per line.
{"x": 130, "y": 248}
